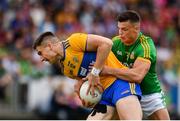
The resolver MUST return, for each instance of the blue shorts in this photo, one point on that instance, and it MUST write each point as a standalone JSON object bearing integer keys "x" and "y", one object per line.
{"x": 118, "y": 90}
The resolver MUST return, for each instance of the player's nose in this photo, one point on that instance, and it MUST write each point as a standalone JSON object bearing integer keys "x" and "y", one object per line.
{"x": 120, "y": 33}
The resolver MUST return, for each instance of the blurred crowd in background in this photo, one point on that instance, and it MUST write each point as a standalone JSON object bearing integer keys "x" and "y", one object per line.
{"x": 27, "y": 85}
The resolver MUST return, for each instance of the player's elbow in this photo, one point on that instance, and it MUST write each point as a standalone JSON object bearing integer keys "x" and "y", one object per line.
{"x": 106, "y": 46}
{"x": 138, "y": 78}
{"x": 109, "y": 43}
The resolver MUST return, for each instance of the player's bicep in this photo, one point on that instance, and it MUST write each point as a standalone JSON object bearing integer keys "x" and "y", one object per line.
{"x": 142, "y": 65}
{"x": 93, "y": 41}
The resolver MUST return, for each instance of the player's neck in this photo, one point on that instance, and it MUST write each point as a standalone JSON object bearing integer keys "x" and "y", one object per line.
{"x": 130, "y": 43}
{"x": 58, "y": 48}
{"x": 61, "y": 50}
{"x": 133, "y": 40}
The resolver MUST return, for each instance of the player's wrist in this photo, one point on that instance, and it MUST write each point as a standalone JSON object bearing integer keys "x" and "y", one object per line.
{"x": 95, "y": 71}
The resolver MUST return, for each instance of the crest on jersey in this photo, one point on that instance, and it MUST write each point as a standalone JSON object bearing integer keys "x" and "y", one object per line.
{"x": 119, "y": 52}
{"x": 75, "y": 59}
{"x": 132, "y": 56}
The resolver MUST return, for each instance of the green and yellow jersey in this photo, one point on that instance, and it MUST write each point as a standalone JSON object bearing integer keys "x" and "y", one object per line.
{"x": 145, "y": 50}
{"x": 77, "y": 59}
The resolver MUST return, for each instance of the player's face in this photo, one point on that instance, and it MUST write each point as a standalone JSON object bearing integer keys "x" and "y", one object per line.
{"x": 46, "y": 54}
{"x": 128, "y": 32}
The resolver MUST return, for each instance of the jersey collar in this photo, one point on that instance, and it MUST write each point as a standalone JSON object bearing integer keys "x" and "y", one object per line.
{"x": 64, "y": 54}
{"x": 139, "y": 36}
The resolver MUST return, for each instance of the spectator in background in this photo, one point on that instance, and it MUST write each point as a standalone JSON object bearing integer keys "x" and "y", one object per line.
{"x": 5, "y": 79}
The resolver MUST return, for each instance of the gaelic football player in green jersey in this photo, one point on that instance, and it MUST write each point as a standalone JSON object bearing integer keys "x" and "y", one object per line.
{"x": 138, "y": 52}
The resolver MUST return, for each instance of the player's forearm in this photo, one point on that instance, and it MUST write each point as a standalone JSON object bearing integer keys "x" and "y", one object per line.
{"x": 102, "y": 54}
{"x": 130, "y": 75}
{"x": 102, "y": 46}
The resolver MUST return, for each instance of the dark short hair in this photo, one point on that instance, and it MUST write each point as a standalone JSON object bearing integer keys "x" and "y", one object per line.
{"x": 40, "y": 39}
{"x": 129, "y": 15}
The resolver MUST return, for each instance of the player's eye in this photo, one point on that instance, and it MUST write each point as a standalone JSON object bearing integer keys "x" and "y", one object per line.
{"x": 125, "y": 29}
{"x": 39, "y": 53}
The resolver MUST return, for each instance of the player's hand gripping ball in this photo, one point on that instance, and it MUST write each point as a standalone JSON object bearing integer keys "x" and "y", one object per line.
{"x": 89, "y": 97}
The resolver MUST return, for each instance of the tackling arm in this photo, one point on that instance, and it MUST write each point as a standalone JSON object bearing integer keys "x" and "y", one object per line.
{"x": 135, "y": 74}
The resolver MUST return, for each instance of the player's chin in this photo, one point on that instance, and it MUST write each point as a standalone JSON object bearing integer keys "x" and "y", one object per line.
{"x": 52, "y": 61}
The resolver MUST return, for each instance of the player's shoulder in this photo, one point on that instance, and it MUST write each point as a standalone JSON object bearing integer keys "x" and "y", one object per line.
{"x": 77, "y": 38}
{"x": 76, "y": 35}
{"x": 116, "y": 38}
{"x": 146, "y": 38}
{"x": 77, "y": 41}
{"x": 147, "y": 44}
{"x": 116, "y": 42}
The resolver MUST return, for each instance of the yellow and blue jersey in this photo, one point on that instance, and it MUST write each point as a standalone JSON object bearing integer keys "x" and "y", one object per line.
{"x": 76, "y": 64}
{"x": 77, "y": 59}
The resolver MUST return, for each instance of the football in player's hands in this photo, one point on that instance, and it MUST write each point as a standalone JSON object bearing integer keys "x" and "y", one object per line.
{"x": 89, "y": 97}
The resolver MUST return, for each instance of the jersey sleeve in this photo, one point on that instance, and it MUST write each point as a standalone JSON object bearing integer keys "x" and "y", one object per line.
{"x": 78, "y": 41}
{"x": 147, "y": 50}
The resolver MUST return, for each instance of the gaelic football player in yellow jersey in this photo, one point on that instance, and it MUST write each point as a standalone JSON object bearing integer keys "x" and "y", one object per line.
{"x": 75, "y": 54}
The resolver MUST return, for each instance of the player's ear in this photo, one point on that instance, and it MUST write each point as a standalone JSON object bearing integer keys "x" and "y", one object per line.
{"x": 137, "y": 26}
{"x": 49, "y": 44}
